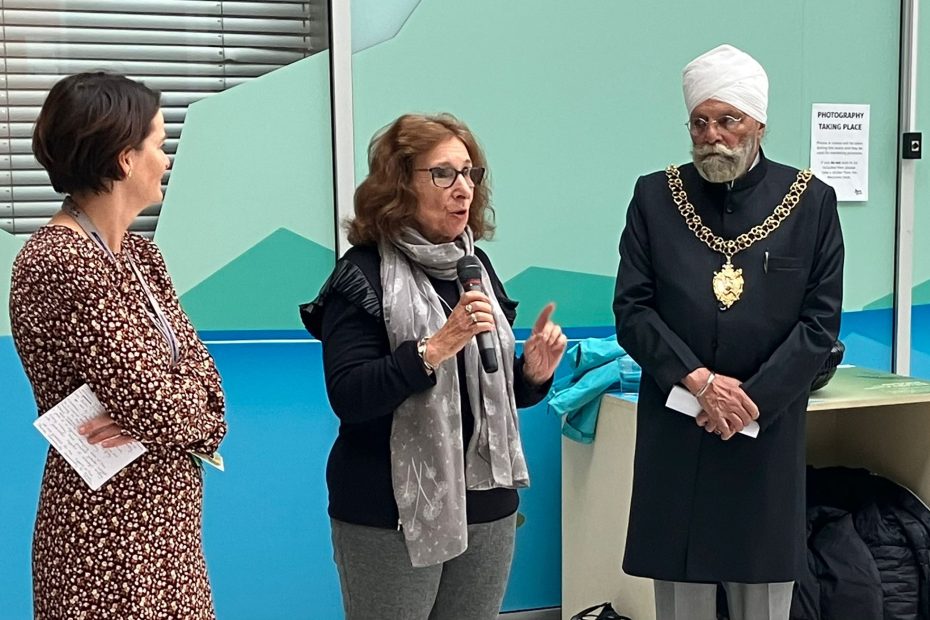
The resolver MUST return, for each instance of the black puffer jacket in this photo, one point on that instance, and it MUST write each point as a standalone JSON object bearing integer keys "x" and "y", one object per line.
{"x": 868, "y": 549}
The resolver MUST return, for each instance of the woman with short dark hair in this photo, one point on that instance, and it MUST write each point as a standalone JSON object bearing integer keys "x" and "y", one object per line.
{"x": 423, "y": 475}
{"x": 92, "y": 304}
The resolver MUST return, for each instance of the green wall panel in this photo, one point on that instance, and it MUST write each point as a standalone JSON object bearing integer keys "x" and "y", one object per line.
{"x": 581, "y": 298}
{"x": 253, "y": 160}
{"x": 920, "y": 327}
{"x": 257, "y": 290}
{"x": 836, "y": 71}
{"x": 377, "y": 21}
{"x": 922, "y": 207}
{"x": 9, "y": 247}
{"x": 574, "y": 101}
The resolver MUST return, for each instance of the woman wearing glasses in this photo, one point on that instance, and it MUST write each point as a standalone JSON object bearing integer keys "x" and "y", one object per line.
{"x": 423, "y": 475}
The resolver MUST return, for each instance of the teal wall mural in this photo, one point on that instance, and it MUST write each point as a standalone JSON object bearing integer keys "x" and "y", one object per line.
{"x": 920, "y": 317}
{"x": 584, "y": 299}
{"x": 247, "y": 232}
{"x": 922, "y": 224}
{"x": 247, "y": 224}
{"x": 376, "y": 21}
{"x": 261, "y": 288}
{"x": 574, "y": 103}
{"x": 9, "y": 247}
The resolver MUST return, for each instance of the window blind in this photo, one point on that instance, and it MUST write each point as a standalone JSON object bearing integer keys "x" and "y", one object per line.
{"x": 187, "y": 49}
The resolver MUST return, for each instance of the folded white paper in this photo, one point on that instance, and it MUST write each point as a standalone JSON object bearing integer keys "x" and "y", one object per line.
{"x": 682, "y": 401}
{"x": 94, "y": 463}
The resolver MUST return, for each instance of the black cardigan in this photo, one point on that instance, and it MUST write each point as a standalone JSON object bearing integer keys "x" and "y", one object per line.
{"x": 365, "y": 382}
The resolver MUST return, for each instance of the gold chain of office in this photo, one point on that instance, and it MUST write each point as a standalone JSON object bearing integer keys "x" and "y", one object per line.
{"x": 728, "y": 282}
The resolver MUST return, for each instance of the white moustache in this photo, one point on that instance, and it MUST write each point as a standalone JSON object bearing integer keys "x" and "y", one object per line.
{"x": 707, "y": 150}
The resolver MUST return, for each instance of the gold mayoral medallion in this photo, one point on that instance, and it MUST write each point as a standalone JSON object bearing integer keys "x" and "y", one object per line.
{"x": 728, "y": 283}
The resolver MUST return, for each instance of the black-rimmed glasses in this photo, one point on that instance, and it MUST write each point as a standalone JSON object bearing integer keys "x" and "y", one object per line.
{"x": 444, "y": 176}
{"x": 727, "y": 123}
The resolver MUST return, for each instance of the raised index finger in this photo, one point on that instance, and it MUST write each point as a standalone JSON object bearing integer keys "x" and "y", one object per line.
{"x": 543, "y": 318}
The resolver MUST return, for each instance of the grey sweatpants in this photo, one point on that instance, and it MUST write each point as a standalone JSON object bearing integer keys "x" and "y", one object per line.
{"x": 747, "y": 601}
{"x": 378, "y": 580}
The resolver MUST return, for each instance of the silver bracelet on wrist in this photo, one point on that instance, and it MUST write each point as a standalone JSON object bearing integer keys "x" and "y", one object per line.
{"x": 421, "y": 351}
{"x": 710, "y": 379}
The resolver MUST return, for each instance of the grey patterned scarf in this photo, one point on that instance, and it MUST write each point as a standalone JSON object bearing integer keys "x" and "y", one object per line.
{"x": 429, "y": 472}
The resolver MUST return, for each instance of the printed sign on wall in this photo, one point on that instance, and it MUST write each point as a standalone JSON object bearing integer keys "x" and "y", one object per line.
{"x": 840, "y": 148}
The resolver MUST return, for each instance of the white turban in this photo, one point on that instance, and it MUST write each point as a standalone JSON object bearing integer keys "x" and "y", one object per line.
{"x": 728, "y": 75}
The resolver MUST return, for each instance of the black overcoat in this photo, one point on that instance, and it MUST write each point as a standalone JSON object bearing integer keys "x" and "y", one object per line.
{"x": 705, "y": 510}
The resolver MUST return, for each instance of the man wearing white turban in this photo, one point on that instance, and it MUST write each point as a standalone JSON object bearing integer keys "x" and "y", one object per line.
{"x": 730, "y": 284}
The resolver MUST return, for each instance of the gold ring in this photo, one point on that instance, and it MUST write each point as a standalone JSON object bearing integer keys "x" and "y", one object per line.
{"x": 717, "y": 431}
{"x": 474, "y": 319}
{"x": 468, "y": 308}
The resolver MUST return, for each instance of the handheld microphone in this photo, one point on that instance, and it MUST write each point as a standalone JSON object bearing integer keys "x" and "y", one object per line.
{"x": 469, "y": 272}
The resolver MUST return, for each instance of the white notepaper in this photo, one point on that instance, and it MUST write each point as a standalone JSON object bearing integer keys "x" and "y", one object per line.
{"x": 94, "y": 463}
{"x": 682, "y": 401}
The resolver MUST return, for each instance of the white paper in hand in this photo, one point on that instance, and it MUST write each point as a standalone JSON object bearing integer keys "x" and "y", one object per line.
{"x": 94, "y": 463}
{"x": 682, "y": 401}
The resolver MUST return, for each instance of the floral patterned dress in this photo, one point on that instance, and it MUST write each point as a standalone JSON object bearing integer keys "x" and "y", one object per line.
{"x": 133, "y": 548}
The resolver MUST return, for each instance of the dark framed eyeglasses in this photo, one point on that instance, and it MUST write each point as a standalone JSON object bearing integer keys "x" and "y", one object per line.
{"x": 444, "y": 176}
{"x": 727, "y": 123}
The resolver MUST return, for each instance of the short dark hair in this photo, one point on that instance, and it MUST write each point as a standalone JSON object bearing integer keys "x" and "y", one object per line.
{"x": 385, "y": 201}
{"x": 87, "y": 120}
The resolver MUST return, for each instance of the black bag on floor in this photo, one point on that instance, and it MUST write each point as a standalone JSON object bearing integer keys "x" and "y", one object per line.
{"x": 606, "y": 613}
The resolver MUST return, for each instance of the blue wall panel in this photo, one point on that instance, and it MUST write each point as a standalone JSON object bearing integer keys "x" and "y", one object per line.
{"x": 266, "y": 531}
{"x": 21, "y": 462}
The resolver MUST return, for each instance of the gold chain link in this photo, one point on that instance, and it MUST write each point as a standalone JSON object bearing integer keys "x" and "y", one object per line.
{"x": 729, "y": 247}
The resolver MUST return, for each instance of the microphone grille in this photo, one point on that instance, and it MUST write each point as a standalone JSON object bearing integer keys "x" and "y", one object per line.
{"x": 468, "y": 268}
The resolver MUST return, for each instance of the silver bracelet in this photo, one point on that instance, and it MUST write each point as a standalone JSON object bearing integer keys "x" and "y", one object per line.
{"x": 421, "y": 351}
{"x": 710, "y": 379}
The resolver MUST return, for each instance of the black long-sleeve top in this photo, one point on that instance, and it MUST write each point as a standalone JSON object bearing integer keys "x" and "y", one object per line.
{"x": 366, "y": 382}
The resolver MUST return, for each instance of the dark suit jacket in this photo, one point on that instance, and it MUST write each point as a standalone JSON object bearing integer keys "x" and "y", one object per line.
{"x": 704, "y": 509}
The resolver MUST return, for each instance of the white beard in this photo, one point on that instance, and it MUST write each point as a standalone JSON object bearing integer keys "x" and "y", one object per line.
{"x": 718, "y": 163}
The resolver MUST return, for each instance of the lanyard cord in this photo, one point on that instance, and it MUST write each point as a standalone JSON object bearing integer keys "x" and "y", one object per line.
{"x": 153, "y": 310}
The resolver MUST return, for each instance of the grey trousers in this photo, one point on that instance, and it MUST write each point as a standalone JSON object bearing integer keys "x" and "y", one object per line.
{"x": 747, "y": 601}
{"x": 378, "y": 580}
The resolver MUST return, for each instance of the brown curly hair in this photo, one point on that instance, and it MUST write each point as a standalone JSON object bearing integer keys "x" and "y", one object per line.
{"x": 385, "y": 202}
